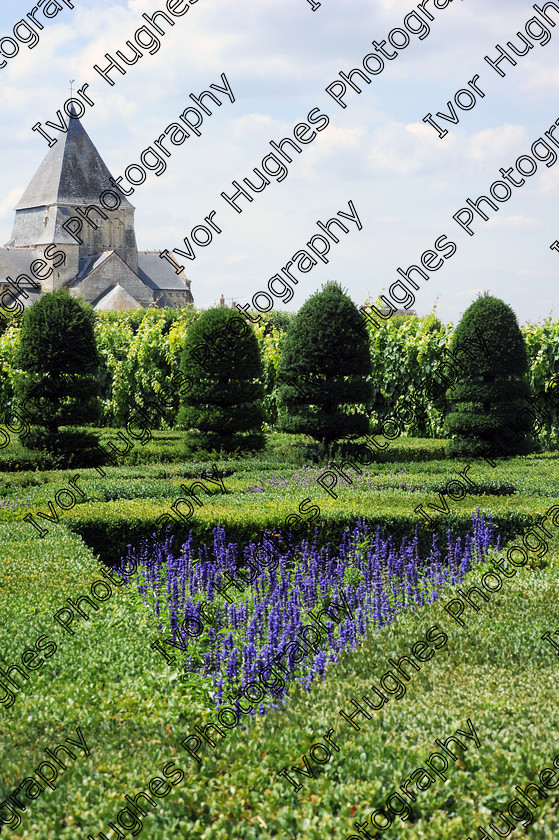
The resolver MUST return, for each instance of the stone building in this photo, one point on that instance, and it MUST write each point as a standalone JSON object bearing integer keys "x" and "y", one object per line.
{"x": 106, "y": 269}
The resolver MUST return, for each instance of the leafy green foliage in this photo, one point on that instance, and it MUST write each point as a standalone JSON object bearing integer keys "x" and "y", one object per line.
{"x": 405, "y": 352}
{"x": 57, "y": 336}
{"x": 491, "y": 390}
{"x": 141, "y": 361}
{"x": 58, "y": 384}
{"x": 122, "y": 508}
{"x": 140, "y": 352}
{"x": 542, "y": 345}
{"x": 134, "y": 709}
{"x": 221, "y": 359}
{"x": 324, "y": 369}
{"x": 489, "y": 340}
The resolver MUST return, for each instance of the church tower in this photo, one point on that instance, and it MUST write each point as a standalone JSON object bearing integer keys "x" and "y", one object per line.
{"x": 73, "y": 174}
{"x": 105, "y": 268}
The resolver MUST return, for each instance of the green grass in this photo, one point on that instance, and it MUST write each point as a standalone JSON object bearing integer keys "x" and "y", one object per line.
{"x": 133, "y": 713}
{"x": 133, "y": 710}
{"x": 168, "y": 447}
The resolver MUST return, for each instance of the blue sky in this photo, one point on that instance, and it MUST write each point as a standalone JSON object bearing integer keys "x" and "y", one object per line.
{"x": 405, "y": 182}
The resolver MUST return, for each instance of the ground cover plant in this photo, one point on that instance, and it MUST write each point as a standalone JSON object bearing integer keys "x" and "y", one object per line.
{"x": 134, "y": 710}
{"x": 261, "y": 618}
{"x": 121, "y": 508}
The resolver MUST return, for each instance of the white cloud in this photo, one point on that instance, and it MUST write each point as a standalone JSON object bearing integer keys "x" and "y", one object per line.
{"x": 494, "y": 145}
{"x": 530, "y": 272}
{"x": 408, "y": 149}
{"x": 548, "y": 183}
{"x": 8, "y": 203}
{"x": 513, "y": 222}
{"x": 472, "y": 293}
{"x": 278, "y": 58}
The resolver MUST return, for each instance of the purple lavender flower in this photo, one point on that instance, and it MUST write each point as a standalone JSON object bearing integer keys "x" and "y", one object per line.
{"x": 376, "y": 579}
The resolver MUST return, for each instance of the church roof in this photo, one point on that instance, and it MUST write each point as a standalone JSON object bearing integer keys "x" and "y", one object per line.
{"x": 158, "y": 274}
{"x": 72, "y": 172}
{"x": 89, "y": 264}
{"x": 15, "y": 261}
{"x": 116, "y": 298}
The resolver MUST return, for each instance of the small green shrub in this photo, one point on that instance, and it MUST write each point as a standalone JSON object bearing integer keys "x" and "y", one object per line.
{"x": 324, "y": 369}
{"x": 223, "y": 409}
{"x": 58, "y": 384}
{"x": 491, "y": 389}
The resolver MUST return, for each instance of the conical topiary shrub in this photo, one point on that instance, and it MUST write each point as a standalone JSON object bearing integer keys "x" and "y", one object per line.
{"x": 324, "y": 369}
{"x": 491, "y": 390}
{"x": 223, "y": 410}
{"x": 58, "y": 385}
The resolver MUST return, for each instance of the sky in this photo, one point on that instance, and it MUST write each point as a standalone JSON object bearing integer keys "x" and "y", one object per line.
{"x": 404, "y": 181}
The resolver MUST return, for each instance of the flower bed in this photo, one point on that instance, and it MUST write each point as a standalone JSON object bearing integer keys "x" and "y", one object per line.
{"x": 250, "y": 621}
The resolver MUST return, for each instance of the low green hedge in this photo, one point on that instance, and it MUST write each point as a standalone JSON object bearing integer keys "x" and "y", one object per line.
{"x": 123, "y": 508}
{"x": 109, "y": 527}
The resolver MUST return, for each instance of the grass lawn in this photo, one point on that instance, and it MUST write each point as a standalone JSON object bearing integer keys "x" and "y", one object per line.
{"x": 133, "y": 710}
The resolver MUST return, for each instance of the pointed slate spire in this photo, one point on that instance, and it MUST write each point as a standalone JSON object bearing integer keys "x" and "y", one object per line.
{"x": 72, "y": 173}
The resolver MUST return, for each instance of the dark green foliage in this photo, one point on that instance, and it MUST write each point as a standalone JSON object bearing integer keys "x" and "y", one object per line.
{"x": 65, "y": 448}
{"x": 223, "y": 411}
{"x": 324, "y": 369}
{"x": 58, "y": 385}
{"x": 490, "y": 392}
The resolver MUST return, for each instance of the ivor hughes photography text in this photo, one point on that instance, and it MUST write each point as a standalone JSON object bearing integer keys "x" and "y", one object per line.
{"x": 279, "y": 420}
